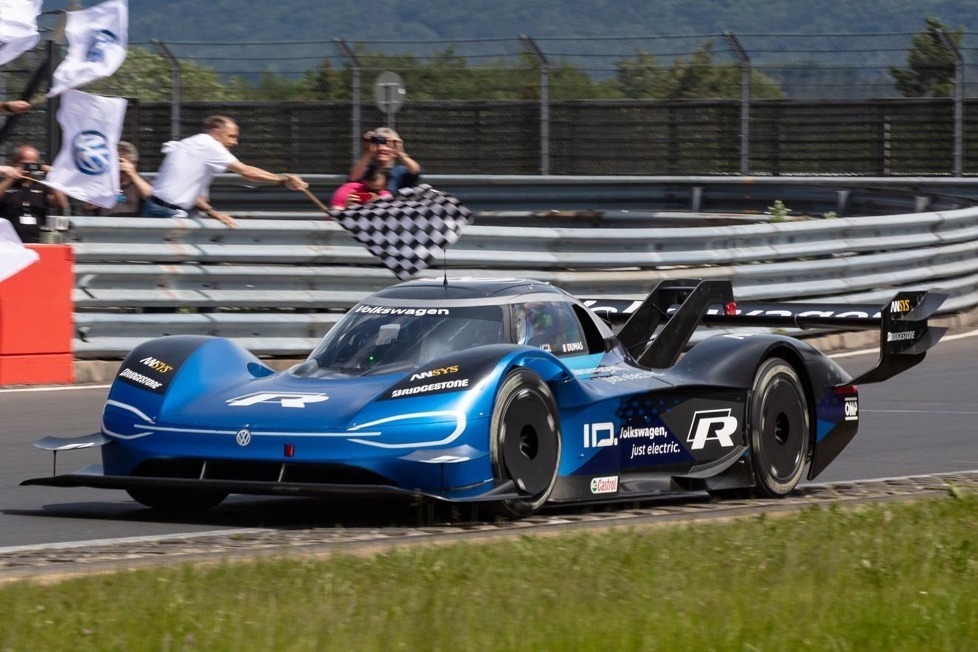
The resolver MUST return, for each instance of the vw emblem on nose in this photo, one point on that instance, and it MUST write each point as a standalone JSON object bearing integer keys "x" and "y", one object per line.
{"x": 243, "y": 437}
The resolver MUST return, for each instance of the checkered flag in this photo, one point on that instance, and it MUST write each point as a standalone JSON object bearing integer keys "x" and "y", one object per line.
{"x": 409, "y": 230}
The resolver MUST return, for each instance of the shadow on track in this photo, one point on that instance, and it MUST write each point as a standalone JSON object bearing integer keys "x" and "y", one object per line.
{"x": 293, "y": 513}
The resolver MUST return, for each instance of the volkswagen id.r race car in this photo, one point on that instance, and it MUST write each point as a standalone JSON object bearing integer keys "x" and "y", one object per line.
{"x": 505, "y": 391}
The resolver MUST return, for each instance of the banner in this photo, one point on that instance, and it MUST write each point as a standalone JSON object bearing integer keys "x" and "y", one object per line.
{"x": 97, "y": 42}
{"x": 18, "y": 27}
{"x": 408, "y": 231}
{"x": 87, "y": 166}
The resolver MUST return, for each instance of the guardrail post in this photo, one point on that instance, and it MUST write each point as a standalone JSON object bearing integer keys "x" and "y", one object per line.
{"x": 955, "y": 52}
{"x": 842, "y": 202}
{"x": 544, "y": 103}
{"x": 744, "y": 101}
{"x": 355, "y": 122}
{"x": 175, "y": 71}
{"x": 885, "y": 144}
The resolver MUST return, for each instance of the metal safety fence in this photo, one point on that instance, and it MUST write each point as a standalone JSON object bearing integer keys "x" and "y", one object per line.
{"x": 279, "y": 281}
{"x": 766, "y": 104}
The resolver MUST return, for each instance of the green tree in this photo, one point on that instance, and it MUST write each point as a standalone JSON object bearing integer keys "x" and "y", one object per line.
{"x": 930, "y": 63}
{"x": 270, "y": 87}
{"x": 446, "y": 75}
{"x": 325, "y": 83}
{"x": 146, "y": 76}
{"x": 643, "y": 77}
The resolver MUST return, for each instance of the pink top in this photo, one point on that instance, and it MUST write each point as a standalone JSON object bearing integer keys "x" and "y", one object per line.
{"x": 355, "y": 192}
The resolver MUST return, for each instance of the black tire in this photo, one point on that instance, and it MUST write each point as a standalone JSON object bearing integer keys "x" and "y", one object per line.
{"x": 525, "y": 441}
{"x": 780, "y": 428}
{"x": 177, "y": 501}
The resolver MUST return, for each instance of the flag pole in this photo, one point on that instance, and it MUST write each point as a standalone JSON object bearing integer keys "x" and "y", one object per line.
{"x": 315, "y": 200}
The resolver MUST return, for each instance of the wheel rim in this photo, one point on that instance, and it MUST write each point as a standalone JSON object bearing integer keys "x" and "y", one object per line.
{"x": 529, "y": 447}
{"x": 780, "y": 432}
{"x": 782, "y": 435}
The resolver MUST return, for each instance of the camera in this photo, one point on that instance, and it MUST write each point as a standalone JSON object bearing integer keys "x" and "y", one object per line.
{"x": 34, "y": 170}
{"x": 378, "y": 140}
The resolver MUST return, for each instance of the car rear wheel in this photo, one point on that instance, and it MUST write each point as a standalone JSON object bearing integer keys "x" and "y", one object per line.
{"x": 177, "y": 501}
{"x": 525, "y": 441}
{"x": 780, "y": 429}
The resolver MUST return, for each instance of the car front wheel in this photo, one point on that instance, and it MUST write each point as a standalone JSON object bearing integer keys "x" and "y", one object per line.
{"x": 525, "y": 442}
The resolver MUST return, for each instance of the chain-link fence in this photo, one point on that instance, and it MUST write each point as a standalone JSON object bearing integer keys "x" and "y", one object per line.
{"x": 862, "y": 104}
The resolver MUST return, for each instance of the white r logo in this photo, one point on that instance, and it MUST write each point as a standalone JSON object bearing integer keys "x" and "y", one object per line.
{"x": 711, "y": 424}
{"x": 285, "y": 400}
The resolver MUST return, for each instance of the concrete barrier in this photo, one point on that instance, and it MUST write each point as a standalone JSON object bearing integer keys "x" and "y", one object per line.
{"x": 36, "y": 320}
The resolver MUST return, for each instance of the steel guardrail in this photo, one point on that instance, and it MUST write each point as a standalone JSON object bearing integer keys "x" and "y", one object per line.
{"x": 280, "y": 280}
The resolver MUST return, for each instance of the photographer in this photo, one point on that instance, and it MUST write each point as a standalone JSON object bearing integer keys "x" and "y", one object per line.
{"x": 385, "y": 150}
{"x": 24, "y": 201}
{"x": 134, "y": 190}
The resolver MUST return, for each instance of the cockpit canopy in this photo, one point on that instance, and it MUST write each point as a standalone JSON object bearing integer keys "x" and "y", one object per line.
{"x": 384, "y": 336}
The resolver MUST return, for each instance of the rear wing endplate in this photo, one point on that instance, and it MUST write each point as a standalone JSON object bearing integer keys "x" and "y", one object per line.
{"x": 905, "y": 336}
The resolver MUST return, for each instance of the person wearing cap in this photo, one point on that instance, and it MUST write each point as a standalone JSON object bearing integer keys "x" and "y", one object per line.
{"x": 134, "y": 190}
{"x": 385, "y": 149}
{"x": 184, "y": 178}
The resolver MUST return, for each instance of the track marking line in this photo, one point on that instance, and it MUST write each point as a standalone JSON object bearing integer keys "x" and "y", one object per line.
{"x": 59, "y": 388}
{"x": 94, "y": 543}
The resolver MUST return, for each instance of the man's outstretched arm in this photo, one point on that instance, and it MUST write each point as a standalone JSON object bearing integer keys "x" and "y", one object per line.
{"x": 251, "y": 173}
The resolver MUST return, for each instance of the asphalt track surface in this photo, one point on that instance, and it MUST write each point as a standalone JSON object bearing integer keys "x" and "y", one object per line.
{"x": 921, "y": 422}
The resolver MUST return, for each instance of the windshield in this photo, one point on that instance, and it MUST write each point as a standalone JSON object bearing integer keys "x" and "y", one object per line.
{"x": 378, "y": 339}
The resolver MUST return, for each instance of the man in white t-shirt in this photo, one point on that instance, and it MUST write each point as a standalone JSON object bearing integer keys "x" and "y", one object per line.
{"x": 184, "y": 178}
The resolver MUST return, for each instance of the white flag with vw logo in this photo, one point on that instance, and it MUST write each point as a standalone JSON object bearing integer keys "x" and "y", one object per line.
{"x": 97, "y": 42}
{"x": 87, "y": 167}
{"x": 18, "y": 27}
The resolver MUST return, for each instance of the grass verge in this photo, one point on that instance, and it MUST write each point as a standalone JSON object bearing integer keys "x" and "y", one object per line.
{"x": 895, "y": 576}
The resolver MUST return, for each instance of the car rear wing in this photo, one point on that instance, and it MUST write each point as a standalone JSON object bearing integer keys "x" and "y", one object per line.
{"x": 657, "y": 329}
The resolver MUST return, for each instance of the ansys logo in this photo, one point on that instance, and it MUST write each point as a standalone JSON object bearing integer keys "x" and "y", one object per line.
{"x": 92, "y": 153}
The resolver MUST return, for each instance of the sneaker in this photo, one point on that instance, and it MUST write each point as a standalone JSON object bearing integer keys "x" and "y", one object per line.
{"x": 179, "y": 213}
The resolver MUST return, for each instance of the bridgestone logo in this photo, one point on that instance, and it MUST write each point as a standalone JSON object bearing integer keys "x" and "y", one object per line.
{"x": 900, "y": 336}
{"x": 431, "y": 387}
{"x": 139, "y": 378}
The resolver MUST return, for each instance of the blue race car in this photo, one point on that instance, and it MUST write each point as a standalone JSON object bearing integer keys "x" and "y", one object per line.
{"x": 505, "y": 391}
